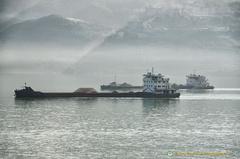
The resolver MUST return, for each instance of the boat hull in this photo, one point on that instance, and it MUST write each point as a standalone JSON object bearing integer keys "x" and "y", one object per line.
{"x": 19, "y": 94}
{"x": 189, "y": 87}
{"x": 192, "y": 87}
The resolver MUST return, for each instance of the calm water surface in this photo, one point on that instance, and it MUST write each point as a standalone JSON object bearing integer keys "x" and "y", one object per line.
{"x": 205, "y": 121}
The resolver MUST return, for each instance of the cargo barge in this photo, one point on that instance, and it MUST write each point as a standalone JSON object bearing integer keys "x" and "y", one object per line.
{"x": 123, "y": 86}
{"x": 155, "y": 86}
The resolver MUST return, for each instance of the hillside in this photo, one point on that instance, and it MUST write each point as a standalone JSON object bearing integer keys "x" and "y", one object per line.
{"x": 162, "y": 34}
{"x": 178, "y": 39}
{"x": 54, "y": 30}
{"x": 179, "y": 27}
{"x": 103, "y": 12}
{"x": 49, "y": 43}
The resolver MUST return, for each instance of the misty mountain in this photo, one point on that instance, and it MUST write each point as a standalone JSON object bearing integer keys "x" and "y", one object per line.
{"x": 9, "y": 8}
{"x": 177, "y": 35}
{"x": 49, "y": 43}
{"x": 166, "y": 27}
{"x": 54, "y": 30}
{"x": 169, "y": 38}
{"x": 103, "y": 12}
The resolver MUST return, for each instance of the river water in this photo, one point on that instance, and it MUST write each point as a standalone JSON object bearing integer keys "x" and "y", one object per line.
{"x": 199, "y": 124}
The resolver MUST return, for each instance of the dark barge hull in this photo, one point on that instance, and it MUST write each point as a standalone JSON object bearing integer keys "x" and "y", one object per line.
{"x": 192, "y": 87}
{"x": 187, "y": 87}
{"x": 19, "y": 94}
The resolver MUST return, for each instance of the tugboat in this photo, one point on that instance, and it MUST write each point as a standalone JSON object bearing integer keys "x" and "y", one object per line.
{"x": 155, "y": 86}
{"x": 195, "y": 82}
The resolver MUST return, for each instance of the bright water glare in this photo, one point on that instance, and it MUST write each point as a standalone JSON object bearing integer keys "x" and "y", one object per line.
{"x": 199, "y": 123}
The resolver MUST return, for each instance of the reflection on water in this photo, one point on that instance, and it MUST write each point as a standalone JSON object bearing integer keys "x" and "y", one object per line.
{"x": 35, "y": 102}
{"x": 200, "y": 91}
{"x": 210, "y": 94}
{"x": 121, "y": 127}
{"x": 157, "y": 102}
{"x": 158, "y": 105}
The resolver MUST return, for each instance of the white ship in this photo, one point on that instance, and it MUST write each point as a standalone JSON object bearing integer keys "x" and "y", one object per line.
{"x": 195, "y": 82}
{"x": 156, "y": 83}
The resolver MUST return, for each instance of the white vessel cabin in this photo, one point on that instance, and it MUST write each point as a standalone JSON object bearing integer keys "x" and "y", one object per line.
{"x": 157, "y": 83}
{"x": 197, "y": 81}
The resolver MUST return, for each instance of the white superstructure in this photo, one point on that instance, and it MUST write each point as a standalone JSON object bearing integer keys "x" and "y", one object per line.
{"x": 156, "y": 83}
{"x": 194, "y": 80}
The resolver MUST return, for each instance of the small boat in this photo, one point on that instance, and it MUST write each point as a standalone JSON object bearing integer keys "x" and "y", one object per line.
{"x": 154, "y": 86}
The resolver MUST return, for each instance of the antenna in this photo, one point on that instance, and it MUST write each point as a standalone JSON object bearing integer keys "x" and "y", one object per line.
{"x": 25, "y": 85}
{"x": 115, "y": 79}
{"x": 152, "y": 69}
{"x": 194, "y": 71}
